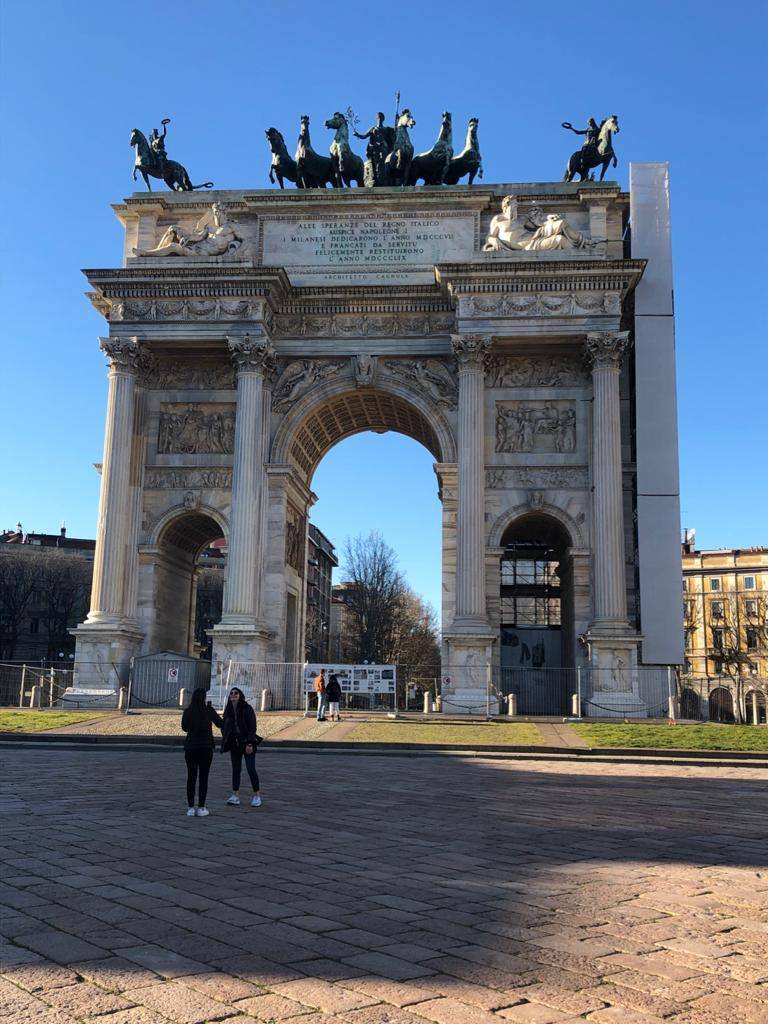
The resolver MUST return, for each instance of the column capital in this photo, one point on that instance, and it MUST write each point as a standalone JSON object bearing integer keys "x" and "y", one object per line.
{"x": 251, "y": 354}
{"x": 470, "y": 349}
{"x": 124, "y": 354}
{"x": 604, "y": 350}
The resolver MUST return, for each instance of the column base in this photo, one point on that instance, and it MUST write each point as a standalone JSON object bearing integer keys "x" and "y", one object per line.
{"x": 245, "y": 643}
{"x": 614, "y": 688}
{"x": 103, "y": 652}
{"x": 466, "y": 671}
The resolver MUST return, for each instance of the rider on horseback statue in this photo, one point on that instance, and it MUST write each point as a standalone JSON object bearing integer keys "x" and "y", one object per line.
{"x": 157, "y": 142}
{"x": 592, "y": 133}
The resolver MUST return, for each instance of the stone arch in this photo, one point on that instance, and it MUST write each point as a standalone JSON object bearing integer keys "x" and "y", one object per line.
{"x": 690, "y": 705}
{"x": 338, "y": 409}
{"x": 721, "y": 706}
{"x": 755, "y": 706}
{"x": 518, "y": 512}
{"x": 169, "y": 572}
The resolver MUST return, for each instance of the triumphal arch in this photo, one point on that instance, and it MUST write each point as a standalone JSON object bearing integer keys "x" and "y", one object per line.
{"x": 522, "y": 333}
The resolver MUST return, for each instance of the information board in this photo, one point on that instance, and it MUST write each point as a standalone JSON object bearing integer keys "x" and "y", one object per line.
{"x": 356, "y": 679}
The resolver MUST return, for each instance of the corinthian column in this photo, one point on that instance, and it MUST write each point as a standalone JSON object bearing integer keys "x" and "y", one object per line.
{"x": 604, "y": 351}
{"x": 113, "y": 531}
{"x": 470, "y": 350}
{"x": 253, "y": 358}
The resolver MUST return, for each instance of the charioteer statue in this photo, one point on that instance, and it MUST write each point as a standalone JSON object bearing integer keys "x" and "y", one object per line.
{"x": 381, "y": 139}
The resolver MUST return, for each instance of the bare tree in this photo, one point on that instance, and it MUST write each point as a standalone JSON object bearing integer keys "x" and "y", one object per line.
{"x": 18, "y": 579}
{"x": 64, "y": 584}
{"x": 387, "y": 622}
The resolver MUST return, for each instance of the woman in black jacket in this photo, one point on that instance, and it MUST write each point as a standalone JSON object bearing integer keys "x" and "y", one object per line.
{"x": 197, "y": 722}
{"x": 240, "y": 740}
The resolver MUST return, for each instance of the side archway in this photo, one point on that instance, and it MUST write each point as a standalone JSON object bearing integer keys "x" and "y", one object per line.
{"x": 170, "y": 570}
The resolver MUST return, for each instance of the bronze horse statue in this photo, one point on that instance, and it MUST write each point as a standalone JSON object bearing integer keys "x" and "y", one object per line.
{"x": 312, "y": 170}
{"x": 594, "y": 155}
{"x": 347, "y": 166}
{"x": 283, "y": 166}
{"x": 398, "y": 162}
{"x": 469, "y": 160}
{"x": 432, "y": 166}
{"x": 173, "y": 174}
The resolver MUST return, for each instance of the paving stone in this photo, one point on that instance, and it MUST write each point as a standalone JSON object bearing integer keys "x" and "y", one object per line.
{"x": 59, "y": 946}
{"x": 563, "y": 999}
{"x": 180, "y": 1004}
{"x": 136, "y": 1015}
{"x": 388, "y": 966}
{"x": 221, "y": 986}
{"x": 40, "y": 976}
{"x": 85, "y": 1000}
{"x": 621, "y": 1015}
{"x": 652, "y": 963}
{"x": 272, "y": 1007}
{"x": 377, "y": 1015}
{"x": 328, "y": 970}
{"x": 12, "y": 955}
{"x": 451, "y": 1011}
{"x": 534, "y": 1013}
{"x": 739, "y": 1009}
{"x": 323, "y": 996}
{"x": 163, "y": 961}
{"x": 117, "y": 974}
{"x": 15, "y": 1001}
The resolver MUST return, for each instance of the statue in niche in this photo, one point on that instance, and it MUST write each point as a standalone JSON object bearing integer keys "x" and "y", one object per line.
{"x": 214, "y": 235}
{"x": 298, "y": 377}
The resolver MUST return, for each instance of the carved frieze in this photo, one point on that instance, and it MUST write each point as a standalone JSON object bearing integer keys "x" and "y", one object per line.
{"x": 507, "y": 371}
{"x": 299, "y": 376}
{"x": 169, "y": 479}
{"x": 535, "y": 426}
{"x": 189, "y": 376}
{"x": 562, "y": 477}
{"x": 431, "y": 376}
{"x": 363, "y": 325}
{"x": 186, "y": 309}
{"x": 542, "y": 304}
{"x": 195, "y": 430}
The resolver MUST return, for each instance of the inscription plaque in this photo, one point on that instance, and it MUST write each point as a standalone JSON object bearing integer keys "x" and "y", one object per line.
{"x": 361, "y": 248}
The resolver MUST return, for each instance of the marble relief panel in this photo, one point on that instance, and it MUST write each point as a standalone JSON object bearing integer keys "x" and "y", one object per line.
{"x": 535, "y": 426}
{"x": 196, "y": 429}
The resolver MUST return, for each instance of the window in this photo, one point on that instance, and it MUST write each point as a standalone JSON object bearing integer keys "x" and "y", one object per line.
{"x": 34, "y": 625}
{"x": 716, "y": 609}
{"x": 717, "y": 638}
{"x": 685, "y": 584}
{"x": 718, "y": 666}
{"x": 714, "y": 583}
{"x": 749, "y": 582}
{"x": 751, "y": 638}
{"x": 750, "y": 607}
{"x": 687, "y": 666}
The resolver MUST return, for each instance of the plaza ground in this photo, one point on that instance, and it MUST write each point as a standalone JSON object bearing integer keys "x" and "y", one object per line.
{"x": 382, "y": 890}
{"x": 414, "y": 730}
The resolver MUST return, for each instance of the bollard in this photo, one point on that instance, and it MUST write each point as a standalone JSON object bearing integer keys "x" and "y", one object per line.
{"x": 575, "y": 706}
{"x": 427, "y": 702}
{"x": 266, "y": 700}
{"x": 35, "y": 696}
{"x": 183, "y": 697}
{"x": 122, "y": 698}
{"x": 439, "y": 702}
{"x": 512, "y": 705}
{"x": 672, "y": 709}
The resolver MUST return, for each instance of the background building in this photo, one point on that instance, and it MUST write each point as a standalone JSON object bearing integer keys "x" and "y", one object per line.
{"x": 45, "y": 584}
{"x": 321, "y": 561}
{"x": 725, "y": 609}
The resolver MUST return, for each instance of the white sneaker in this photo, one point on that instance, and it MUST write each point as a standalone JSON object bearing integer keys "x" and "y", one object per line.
{"x": 234, "y": 800}
{"x": 256, "y": 802}
{"x": 191, "y": 812}
{"x": 201, "y": 812}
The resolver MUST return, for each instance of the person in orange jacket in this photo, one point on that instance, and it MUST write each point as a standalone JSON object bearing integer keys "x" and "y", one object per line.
{"x": 322, "y": 696}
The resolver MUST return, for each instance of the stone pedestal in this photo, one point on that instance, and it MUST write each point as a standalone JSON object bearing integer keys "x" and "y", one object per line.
{"x": 466, "y": 674}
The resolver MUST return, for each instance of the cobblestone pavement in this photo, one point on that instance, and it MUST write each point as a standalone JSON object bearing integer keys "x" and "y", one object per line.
{"x": 382, "y": 890}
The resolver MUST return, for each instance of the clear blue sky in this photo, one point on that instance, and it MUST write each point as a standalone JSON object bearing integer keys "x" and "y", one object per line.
{"x": 686, "y": 79}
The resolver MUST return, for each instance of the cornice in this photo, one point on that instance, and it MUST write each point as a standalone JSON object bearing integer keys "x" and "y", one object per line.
{"x": 517, "y": 276}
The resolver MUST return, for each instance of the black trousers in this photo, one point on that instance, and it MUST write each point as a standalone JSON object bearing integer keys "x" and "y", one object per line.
{"x": 198, "y": 761}
{"x": 250, "y": 766}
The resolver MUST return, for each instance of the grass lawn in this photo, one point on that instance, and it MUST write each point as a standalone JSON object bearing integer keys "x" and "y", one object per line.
{"x": 685, "y": 737}
{"x": 518, "y": 734}
{"x": 41, "y": 721}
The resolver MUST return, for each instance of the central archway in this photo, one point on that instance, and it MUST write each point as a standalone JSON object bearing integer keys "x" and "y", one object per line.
{"x": 319, "y": 421}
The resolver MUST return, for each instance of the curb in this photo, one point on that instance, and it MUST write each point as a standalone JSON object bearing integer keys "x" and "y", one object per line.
{"x": 658, "y": 755}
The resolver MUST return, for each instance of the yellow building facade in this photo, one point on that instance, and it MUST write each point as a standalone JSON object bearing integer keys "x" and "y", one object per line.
{"x": 725, "y": 618}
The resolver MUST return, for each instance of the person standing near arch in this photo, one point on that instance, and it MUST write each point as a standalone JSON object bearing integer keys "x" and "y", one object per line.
{"x": 240, "y": 740}
{"x": 197, "y": 721}
{"x": 333, "y": 692}
{"x": 322, "y": 696}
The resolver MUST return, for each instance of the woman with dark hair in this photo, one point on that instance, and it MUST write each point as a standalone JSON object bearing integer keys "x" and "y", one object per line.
{"x": 197, "y": 722}
{"x": 240, "y": 740}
